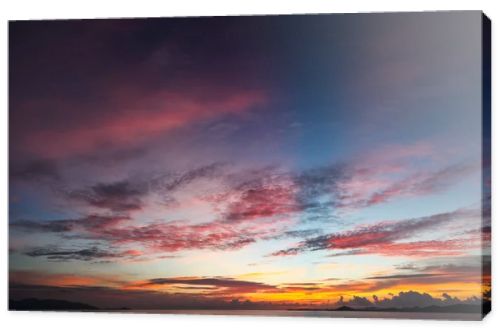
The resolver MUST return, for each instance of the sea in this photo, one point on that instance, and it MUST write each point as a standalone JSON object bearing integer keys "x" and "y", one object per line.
{"x": 319, "y": 314}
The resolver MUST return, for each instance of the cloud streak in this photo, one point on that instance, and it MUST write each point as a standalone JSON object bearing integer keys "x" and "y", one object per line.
{"x": 385, "y": 238}
{"x": 85, "y": 254}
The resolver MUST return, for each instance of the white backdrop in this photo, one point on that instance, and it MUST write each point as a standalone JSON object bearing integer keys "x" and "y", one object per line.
{"x": 146, "y": 324}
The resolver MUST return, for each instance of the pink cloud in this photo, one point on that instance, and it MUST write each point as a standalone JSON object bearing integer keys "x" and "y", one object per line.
{"x": 389, "y": 239}
{"x": 390, "y": 173}
{"x": 429, "y": 248}
{"x": 131, "y": 121}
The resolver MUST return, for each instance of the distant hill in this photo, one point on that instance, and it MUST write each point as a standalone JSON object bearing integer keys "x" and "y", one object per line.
{"x": 33, "y": 304}
{"x": 345, "y": 308}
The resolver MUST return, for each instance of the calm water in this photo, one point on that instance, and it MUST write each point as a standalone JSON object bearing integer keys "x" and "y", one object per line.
{"x": 320, "y": 314}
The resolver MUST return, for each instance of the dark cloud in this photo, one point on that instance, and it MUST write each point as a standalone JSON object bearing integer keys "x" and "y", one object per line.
{"x": 208, "y": 171}
{"x": 219, "y": 282}
{"x": 116, "y": 196}
{"x": 110, "y": 157}
{"x": 416, "y": 299}
{"x": 407, "y": 266}
{"x": 354, "y": 302}
{"x": 301, "y": 284}
{"x": 34, "y": 170}
{"x": 55, "y": 226}
{"x": 288, "y": 251}
{"x": 223, "y": 286}
{"x": 86, "y": 254}
{"x": 89, "y": 223}
{"x": 316, "y": 182}
{"x": 298, "y": 233}
{"x": 128, "y": 195}
{"x": 313, "y": 186}
{"x": 295, "y": 288}
{"x": 404, "y": 299}
{"x": 347, "y": 253}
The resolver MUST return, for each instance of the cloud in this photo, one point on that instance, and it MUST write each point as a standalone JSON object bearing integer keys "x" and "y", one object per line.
{"x": 113, "y": 110}
{"x": 167, "y": 237}
{"x": 388, "y": 173}
{"x": 149, "y": 116}
{"x": 348, "y": 253}
{"x": 163, "y": 236}
{"x": 407, "y": 266}
{"x": 34, "y": 170}
{"x": 248, "y": 206}
{"x": 402, "y": 276}
{"x": 271, "y": 192}
{"x": 217, "y": 288}
{"x": 456, "y": 274}
{"x": 426, "y": 248}
{"x": 203, "y": 172}
{"x": 385, "y": 238}
{"x": 172, "y": 237}
{"x": 91, "y": 223}
{"x": 422, "y": 183}
{"x": 316, "y": 182}
{"x": 261, "y": 202}
{"x": 404, "y": 299}
{"x": 354, "y": 302}
{"x": 298, "y": 234}
{"x": 55, "y": 226}
{"x": 210, "y": 281}
{"x": 288, "y": 251}
{"x": 464, "y": 268}
{"x": 85, "y": 254}
{"x": 116, "y": 196}
{"x": 415, "y": 299}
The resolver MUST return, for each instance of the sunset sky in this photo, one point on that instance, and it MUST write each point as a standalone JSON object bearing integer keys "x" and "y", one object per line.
{"x": 205, "y": 162}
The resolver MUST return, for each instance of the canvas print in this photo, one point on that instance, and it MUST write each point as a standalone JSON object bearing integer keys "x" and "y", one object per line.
{"x": 332, "y": 165}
